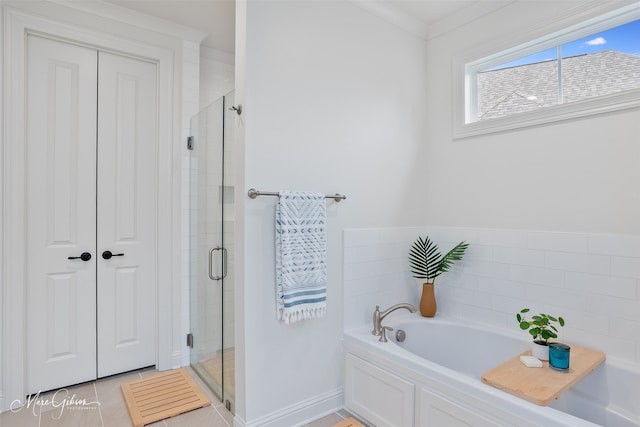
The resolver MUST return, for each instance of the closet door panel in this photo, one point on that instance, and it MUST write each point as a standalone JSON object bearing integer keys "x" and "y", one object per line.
{"x": 127, "y": 141}
{"x": 61, "y": 210}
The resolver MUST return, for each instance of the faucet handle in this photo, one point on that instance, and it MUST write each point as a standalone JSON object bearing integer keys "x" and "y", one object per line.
{"x": 376, "y": 321}
{"x": 383, "y": 333}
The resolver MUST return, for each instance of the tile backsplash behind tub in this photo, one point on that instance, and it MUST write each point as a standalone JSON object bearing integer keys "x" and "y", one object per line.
{"x": 591, "y": 280}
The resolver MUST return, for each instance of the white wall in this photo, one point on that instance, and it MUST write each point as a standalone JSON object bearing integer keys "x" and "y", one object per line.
{"x": 578, "y": 175}
{"x": 334, "y": 101}
{"x": 216, "y": 75}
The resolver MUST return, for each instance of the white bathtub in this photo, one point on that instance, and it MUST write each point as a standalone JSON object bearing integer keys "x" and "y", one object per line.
{"x": 433, "y": 379}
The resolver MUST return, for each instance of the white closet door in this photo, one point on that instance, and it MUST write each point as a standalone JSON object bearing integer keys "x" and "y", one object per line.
{"x": 127, "y": 141}
{"x": 61, "y": 212}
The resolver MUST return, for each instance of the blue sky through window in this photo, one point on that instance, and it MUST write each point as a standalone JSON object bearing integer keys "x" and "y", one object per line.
{"x": 624, "y": 38}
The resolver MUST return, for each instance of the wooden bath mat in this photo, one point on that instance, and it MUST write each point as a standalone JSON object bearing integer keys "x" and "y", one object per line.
{"x": 162, "y": 396}
{"x": 349, "y": 422}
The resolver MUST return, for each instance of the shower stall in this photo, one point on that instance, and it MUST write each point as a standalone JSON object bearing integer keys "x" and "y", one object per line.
{"x": 211, "y": 248}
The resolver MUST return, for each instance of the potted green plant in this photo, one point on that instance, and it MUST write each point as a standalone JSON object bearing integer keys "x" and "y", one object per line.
{"x": 427, "y": 263}
{"x": 542, "y": 329}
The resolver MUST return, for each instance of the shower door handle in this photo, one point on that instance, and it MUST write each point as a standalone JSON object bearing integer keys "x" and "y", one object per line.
{"x": 224, "y": 263}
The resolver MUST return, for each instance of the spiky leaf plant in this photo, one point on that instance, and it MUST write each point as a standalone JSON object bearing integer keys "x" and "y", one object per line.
{"x": 427, "y": 262}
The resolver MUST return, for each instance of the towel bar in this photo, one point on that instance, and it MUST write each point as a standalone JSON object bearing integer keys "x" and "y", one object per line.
{"x": 253, "y": 193}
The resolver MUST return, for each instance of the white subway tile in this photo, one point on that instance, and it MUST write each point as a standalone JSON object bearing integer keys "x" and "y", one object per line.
{"x": 404, "y": 236}
{"x": 560, "y": 297}
{"x": 363, "y": 270}
{"x": 622, "y": 287}
{"x": 591, "y": 280}
{"x": 467, "y": 281}
{"x": 616, "y": 347}
{"x": 373, "y": 253}
{"x": 503, "y": 287}
{"x": 397, "y": 250}
{"x": 519, "y": 256}
{"x": 358, "y": 310}
{"x": 451, "y": 236}
{"x": 479, "y": 253}
{"x": 614, "y": 244}
{"x": 536, "y": 275}
{"x": 583, "y": 263}
{"x": 509, "y": 305}
{"x": 355, "y": 287}
{"x": 566, "y": 242}
{"x": 488, "y": 269}
{"x": 365, "y": 253}
{"x": 625, "y": 328}
{"x": 464, "y": 296}
{"x": 612, "y": 306}
{"x": 473, "y": 314}
{"x": 579, "y": 319}
{"x": 625, "y": 266}
{"x": 508, "y": 238}
{"x": 586, "y": 339}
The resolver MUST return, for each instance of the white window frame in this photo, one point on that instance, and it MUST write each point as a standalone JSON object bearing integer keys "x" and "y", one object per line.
{"x": 570, "y": 28}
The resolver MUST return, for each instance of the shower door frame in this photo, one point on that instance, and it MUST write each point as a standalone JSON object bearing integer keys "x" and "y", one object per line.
{"x": 219, "y": 280}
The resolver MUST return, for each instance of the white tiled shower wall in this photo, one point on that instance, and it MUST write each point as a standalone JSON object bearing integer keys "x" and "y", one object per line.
{"x": 592, "y": 280}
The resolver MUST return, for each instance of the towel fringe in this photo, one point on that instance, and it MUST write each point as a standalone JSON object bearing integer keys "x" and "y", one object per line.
{"x": 302, "y": 314}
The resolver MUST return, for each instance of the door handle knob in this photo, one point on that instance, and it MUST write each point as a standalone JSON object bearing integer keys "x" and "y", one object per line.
{"x": 85, "y": 256}
{"x": 108, "y": 255}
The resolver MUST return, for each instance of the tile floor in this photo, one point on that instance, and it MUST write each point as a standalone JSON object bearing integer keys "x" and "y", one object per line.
{"x": 81, "y": 409}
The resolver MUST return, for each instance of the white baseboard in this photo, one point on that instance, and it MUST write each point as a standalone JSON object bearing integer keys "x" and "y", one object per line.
{"x": 300, "y": 413}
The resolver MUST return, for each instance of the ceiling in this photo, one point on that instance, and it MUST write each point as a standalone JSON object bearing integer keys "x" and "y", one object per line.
{"x": 430, "y": 11}
{"x": 214, "y": 17}
{"x": 217, "y": 17}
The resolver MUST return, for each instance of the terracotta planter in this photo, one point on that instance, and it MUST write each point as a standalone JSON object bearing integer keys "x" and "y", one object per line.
{"x": 428, "y": 301}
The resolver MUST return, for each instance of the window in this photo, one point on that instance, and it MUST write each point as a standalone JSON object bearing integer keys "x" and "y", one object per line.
{"x": 585, "y": 69}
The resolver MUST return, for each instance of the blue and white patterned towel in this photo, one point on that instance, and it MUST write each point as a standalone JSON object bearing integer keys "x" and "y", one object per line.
{"x": 301, "y": 255}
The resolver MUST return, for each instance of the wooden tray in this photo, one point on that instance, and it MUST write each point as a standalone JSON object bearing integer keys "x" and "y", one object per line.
{"x": 542, "y": 385}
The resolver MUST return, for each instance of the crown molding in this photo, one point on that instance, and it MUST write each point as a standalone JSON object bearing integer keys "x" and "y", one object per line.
{"x": 465, "y": 16}
{"x": 132, "y": 17}
{"x": 385, "y": 10}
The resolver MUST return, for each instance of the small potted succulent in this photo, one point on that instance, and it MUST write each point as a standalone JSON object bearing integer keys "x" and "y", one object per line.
{"x": 427, "y": 263}
{"x": 542, "y": 329}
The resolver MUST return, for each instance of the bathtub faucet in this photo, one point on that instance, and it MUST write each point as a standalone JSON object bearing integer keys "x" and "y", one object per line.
{"x": 378, "y": 316}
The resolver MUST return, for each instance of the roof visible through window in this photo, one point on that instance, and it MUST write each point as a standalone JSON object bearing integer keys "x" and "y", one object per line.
{"x": 604, "y": 63}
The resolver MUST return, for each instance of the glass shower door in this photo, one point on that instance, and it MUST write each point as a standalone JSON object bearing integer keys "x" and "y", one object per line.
{"x": 211, "y": 249}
